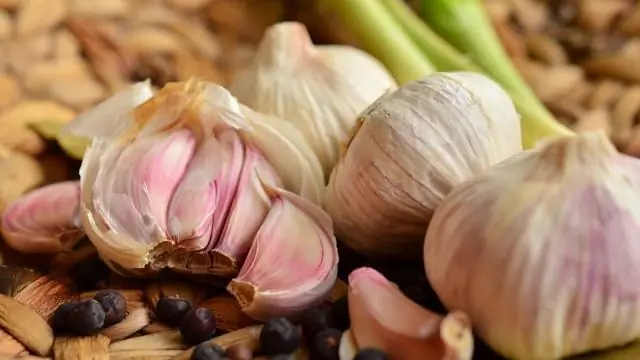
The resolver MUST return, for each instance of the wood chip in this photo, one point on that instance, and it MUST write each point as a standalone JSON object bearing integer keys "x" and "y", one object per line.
{"x": 134, "y": 322}
{"x": 46, "y": 294}
{"x": 616, "y": 66}
{"x": 546, "y": 49}
{"x": 144, "y": 354}
{"x": 25, "y": 325}
{"x": 597, "y": 119}
{"x": 623, "y": 116}
{"x": 81, "y": 348}
{"x": 604, "y": 94}
{"x": 39, "y": 15}
{"x": 247, "y": 336}
{"x": 228, "y": 314}
{"x": 166, "y": 340}
{"x": 99, "y": 8}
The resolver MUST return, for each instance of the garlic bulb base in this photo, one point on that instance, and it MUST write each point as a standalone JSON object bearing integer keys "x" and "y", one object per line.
{"x": 243, "y": 291}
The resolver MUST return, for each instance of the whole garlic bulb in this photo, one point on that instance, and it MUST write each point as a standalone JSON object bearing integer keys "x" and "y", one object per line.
{"x": 411, "y": 147}
{"x": 542, "y": 251}
{"x": 319, "y": 89}
{"x": 190, "y": 179}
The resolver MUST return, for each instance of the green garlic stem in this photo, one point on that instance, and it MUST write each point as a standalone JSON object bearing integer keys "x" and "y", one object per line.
{"x": 382, "y": 37}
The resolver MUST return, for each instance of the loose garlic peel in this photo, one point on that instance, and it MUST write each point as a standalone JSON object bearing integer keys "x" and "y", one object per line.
{"x": 180, "y": 180}
{"x": 383, "y": 318}
{"x": 541, "y": 250}
{"x": 408, "y": 150}
{"x": 44, "y": 220}
{"x": 318, "y": 89}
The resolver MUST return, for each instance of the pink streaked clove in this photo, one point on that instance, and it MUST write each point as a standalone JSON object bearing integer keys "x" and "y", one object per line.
{"x": 383, "y": 317}
{"x": 292, "y": 264}
{"x": 44, "y": 220}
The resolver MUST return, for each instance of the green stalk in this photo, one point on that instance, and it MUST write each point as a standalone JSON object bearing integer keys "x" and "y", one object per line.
{"x": 382, "y": 37}
{"x": 465, "y": 25}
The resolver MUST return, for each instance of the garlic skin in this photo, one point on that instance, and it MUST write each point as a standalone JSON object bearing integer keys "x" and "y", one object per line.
{"x": 410, "y": 148}
{"x": 382, "y": 317}
{"x": 541, "y": 250}
{"x": 176, "y": 180}
{"x": 298, "y": 233}
{"x": 318, "y": 89}
{"x": 44, "y": 220}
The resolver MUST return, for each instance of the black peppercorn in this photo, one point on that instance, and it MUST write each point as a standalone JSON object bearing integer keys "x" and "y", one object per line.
{"x": 85, "y": 318}
{"x": 371, "y": 354}
{"x": 207, "y": 351}
{"x": 60, "y": 318}
{"x": 314, "y": 321}
{"x": 171, "y": 310}
{"x": 326, "y": 345}
{"x": 197, "y": 326}
{"x": 279, "y": 336}
{"x": 114, "y": 306}
{"x": 340, "y": 314}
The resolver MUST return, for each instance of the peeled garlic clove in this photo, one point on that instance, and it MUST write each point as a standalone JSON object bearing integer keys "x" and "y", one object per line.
{"x": 410, "y": 148}
{"x": 383, "y": 317}
{"x": 249, "y": 209}
{"x": 318, "y": 89}
{"x": 44, "y": 220}
{"x": 348, "y": 347}
{"x": 541, "y": 250}
{"x": 292, "y": 264}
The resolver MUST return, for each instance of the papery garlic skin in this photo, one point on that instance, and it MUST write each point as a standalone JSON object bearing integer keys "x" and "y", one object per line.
{"x": 173, "y": 181}
{"x": 410, "y": 149}
{"x": 541, "y": 250}
{"x": 293, "y": 262}
{"x": 44, "y": 220}
{"x": 319, "y": 89}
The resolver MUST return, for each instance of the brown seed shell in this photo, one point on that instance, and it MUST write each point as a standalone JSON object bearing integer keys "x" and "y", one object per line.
{"x": 25, "y": 325}
{"x": 81, "y": 348}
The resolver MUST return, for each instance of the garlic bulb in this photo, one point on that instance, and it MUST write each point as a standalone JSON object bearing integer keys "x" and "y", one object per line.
{"x": 382, "y": 317}
{"x": 411, "y": 147}
{"x": 319, "y": 89}
{"x": 192, "y": 180}
{"x": 541, "y": 250}
{"x": 44, "y": 220}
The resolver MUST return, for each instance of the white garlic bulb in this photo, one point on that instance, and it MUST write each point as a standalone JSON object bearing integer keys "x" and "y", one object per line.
{"x": 319, "y": 89}
{"x": 542, "y": 250}
{"x": 410, "y": 149}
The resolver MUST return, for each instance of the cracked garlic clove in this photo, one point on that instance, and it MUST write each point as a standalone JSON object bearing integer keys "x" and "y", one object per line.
{"x": 172, "y": 181}
{"x": 292, "y": 264}
{"x": 541, "y": 251}
{"x": 382, "y": 317}
{"x": 44, "y": 220}
{"x": 318, "y": 89}
{"x": 410, "y": 148}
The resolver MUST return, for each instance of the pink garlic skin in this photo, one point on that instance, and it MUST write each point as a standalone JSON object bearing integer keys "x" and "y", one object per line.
{"x": 44, "y": 220}
{"x": 542, "y": 250}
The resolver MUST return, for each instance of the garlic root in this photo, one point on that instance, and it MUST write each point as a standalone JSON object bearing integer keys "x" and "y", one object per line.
{"x": 44, "y": 220}
{"x": 383, "y": 318}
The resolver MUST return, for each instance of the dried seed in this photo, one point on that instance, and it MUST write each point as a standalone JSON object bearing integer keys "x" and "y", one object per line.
{"x": 557, "y": 81}
{"x": 134, "y": 322}
{"x": 546, "y": 48}
{"x": 604, "y": 94}
{"x": 21, "y": 138}
{"x": 531, "y": 15}
{"x": 623, "y": 116}
{"x": 153, "y": 40}
{"x": 114, "y": 305}
{"x": 144, "y": 354}
{"x": 247, "y": 336}
{"x": 197, "y": 326}
{"x": 81, "y": 348}
{"x": 99, "y": 8}
{"x": 25, "y": 325}
{"x": 616, "y": 66}
{"x": 598, "y": 15}
{"x": 580, "y": 93}
{"x": 279, "y": 336}
{"x": 166, "y": 340}
{"x": 228, "y": 313}
{"x": 45, "y": 294}
{"x": 82, "y": 318}
{"x": 39, "y": 15}
{"x": 171, "y": 310}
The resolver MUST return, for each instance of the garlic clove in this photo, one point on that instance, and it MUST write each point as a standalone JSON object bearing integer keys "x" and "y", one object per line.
{"x": 287, "y": 151}
{"x": 250, "y": 207}
{"x": 348, "y": 347}
{"x": 408, "y": 150}
{"x": 319, "y": 92}
{"x": 44, "y": 220}
{"x": 292, "y": 264}
{"x": 512, "y": 248}
{"x": 383, "y": 317}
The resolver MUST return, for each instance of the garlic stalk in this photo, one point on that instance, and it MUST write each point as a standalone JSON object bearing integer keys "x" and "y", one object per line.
{"x": 319, "y": 89}
{"x": 44, "y": 220}
{"x": 183, "y": 179}
{"x": 541, "y": 250}
{"x": 410, "y": 148}
{"x": 383, "y": 318}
